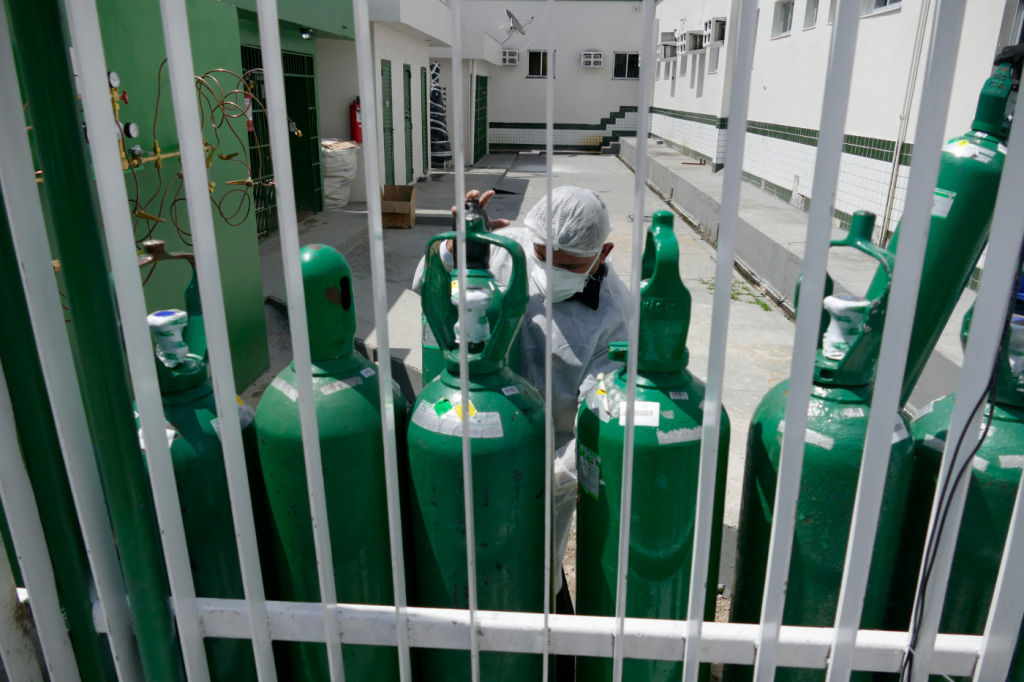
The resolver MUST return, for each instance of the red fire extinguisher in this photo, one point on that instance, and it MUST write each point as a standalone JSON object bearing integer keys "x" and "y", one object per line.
{"x": 355, "y": 115}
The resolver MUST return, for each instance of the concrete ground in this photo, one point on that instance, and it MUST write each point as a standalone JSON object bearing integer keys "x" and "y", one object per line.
{"x": 760, "y": 335}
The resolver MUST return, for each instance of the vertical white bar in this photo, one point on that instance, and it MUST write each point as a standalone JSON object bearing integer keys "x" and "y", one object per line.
{"x": 27, "y": 533}
{"x": 549, "y": 420}
{"x": 1007, "y": 610}
{"x": 460, "y": 245}
{"x": 892, "y": 362}
{"x": 805, "y": 346}
{"x": 979, "y": 360}
{"x": 200, "y": 216}
{"x": 85, "y": 31}
{"x": 277, "y": 125}
{"x": 16, "y": 647}
{"x": 739, "y": 98}
{"x": 28, "y": 230}
{"x": 380, "y": 311}
{"x": 639, "y": 237}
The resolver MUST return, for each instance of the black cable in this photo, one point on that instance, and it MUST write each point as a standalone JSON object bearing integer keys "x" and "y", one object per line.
{"x": 931, "y": 547}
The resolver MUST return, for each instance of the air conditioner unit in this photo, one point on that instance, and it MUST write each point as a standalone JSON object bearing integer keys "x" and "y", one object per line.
{"x": 591, "y": 59}
{"x": 509, "y": 57}
{"x": 668, "y": 38}
{"x": 694, "y": 41}
{"x": 668, "y": 51}
{"x": 714, "y": 32}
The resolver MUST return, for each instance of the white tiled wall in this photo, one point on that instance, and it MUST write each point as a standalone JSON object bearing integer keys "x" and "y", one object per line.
{"x": 537, "y": 137}
{"x": 700, "y": 137}
{"x": 787, "y": 164}
{"x": 863, "y": 182}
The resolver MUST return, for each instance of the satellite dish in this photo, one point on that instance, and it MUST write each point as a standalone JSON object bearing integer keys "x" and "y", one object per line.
{"x": 514, "y": 26}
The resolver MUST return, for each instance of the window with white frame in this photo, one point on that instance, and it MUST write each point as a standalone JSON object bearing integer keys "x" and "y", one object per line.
{"x": 882, "y": 5}
{"x": 627, "y": 65}
{"x": 683, "y": 59}
{"x": 538, "y": 64}
{"x": 811, "y": 14}
{"x": 591, "y": 59}
{"x": 784, "y": 18}
{"x": 509, "y": 57}
{"x": 713, "y": 60}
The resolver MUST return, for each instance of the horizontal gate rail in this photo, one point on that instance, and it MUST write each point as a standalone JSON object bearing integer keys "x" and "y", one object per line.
{"x": 647, "y": 638}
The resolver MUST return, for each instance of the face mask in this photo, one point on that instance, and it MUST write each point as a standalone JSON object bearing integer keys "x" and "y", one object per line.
{"x": 565, "y": 284}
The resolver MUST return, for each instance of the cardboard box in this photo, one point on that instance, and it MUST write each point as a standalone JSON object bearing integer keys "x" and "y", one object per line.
{"x": 398, "y": 205}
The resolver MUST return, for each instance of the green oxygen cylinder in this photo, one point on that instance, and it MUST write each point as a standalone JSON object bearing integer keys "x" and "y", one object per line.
{"x": 347, "y": 399}
{"x": 837, "y": 421}
{"x": 965, "y": 197}
{"x": 666, "y": 459}
{"x": 995, "y": 477}
{"x": 506, "y": 422}
{"x": 193, "y": 432}
{"x": 433, "y": 356}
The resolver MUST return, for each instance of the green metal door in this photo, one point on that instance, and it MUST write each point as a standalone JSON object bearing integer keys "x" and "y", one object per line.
{"x": 389, "y": 123}
{"x": 425, "y": 129}
{"x": 480, "y": 120}
{"x": 407, "y": 90}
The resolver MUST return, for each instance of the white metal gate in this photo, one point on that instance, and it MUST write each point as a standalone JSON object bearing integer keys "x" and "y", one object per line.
{"x": 767, "y": 645}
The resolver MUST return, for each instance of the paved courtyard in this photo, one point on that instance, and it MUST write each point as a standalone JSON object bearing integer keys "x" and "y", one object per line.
{"x": 760, "y": 335}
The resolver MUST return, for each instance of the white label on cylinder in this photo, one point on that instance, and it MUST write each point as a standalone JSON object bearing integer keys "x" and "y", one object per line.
{"x": 679, "y": 436}
{"x": 368, "y": 372}
{"x": 677, "y": 395}
{"x": 1011, "y": 461}
{"x": 168, "y": 327}
{"x": 812, "y": 437}
{"x": 289, "y": 391}
{"x": 942, "y": 202}
{"x": 510, "y": 390}
{"x": 899, "y": 431}
{"x": 340, "y": 385}
{"x": 644, "y": 413}
{"x": 588, "y": 464}
{"x": 846, "y": 322}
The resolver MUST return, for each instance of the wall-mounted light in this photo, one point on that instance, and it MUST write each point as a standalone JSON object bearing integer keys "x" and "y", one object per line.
{"x": 306, "y": 33}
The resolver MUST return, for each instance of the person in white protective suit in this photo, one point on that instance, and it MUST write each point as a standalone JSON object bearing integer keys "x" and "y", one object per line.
{"x": 591, "y": 305}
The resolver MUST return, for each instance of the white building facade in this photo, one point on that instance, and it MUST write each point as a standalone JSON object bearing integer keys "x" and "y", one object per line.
{"x": 594, "y": 61}
{"x": 690, "y": 106}
{"x": 402, "y": 33}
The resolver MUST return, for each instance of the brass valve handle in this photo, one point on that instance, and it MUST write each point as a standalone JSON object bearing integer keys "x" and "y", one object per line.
{"x": 156, "y": 250}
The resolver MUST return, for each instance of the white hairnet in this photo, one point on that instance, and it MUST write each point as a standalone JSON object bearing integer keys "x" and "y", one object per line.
{"x": 580, "y": 223}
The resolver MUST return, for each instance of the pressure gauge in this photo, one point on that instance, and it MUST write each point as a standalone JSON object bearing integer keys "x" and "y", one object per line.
{"x": 113, "y": 79}
{"x": 131, "y": 130}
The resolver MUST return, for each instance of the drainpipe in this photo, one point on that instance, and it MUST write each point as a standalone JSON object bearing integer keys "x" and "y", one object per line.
{"x": 908, "y": 100}
{"x": 41, "y": 46}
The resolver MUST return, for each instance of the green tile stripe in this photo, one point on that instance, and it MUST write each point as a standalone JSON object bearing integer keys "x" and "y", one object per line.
{"x": 583, "y": 148}
{"x": 607, "y": 138}
{"x": 781, "y": 132}
{"x": 857, "y": 145}
{"x": 706, "y": 119}
{"x": 605, "y": 122}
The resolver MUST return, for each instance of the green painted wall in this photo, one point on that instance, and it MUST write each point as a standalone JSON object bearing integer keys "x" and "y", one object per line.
{"x": 331, "y": 16}
{"x": 134, "y": 46}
